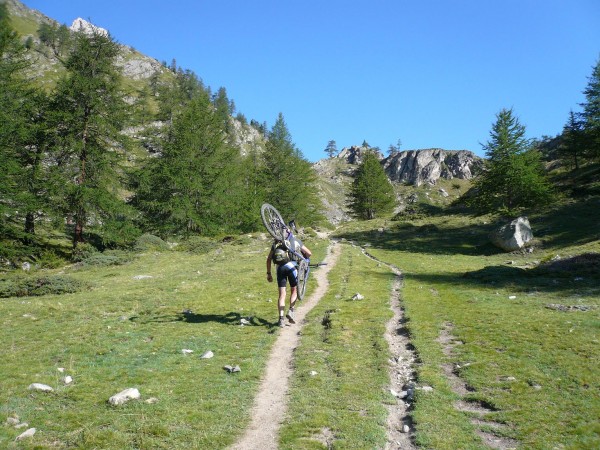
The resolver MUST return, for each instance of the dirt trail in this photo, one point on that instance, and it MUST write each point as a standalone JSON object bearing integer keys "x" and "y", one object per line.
{"x": 270, "y": 404}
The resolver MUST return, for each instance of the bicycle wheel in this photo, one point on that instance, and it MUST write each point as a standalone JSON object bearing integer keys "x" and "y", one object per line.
{"x": 273, "y": 221}
{"x": 302, "y": 277}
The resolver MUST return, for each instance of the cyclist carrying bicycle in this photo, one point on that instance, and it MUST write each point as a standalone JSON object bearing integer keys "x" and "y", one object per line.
{"x": 287, "y": 270}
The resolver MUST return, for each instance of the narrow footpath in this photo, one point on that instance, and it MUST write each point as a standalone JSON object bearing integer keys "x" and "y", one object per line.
{"x": 270, "y": 405}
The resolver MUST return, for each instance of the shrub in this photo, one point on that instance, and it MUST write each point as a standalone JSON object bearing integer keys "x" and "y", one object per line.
{"x": 411, "y": 212}
{"x": 50, "y": 260}
{"x": 148, "y": 242}
{"x": 198, "y": 244}
{"x": 82, "y": 251}
{"x": 35, "y": 286}
{"x": 108, "y": 258}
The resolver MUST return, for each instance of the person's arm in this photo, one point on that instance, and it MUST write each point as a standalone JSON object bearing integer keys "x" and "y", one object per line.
{"x": 269, "y": 258}
{"x": 306, "y": 252}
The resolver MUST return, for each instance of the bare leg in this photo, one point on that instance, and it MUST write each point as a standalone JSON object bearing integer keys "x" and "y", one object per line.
{"x": 293, "y": 296}
{"x": 281, "y": 301}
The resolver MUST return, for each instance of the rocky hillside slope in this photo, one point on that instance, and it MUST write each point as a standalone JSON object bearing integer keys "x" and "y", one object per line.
{"x": 417, "y": 175}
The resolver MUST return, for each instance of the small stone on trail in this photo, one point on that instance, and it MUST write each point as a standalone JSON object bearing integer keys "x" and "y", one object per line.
{"x": 207, "y": 355}
{"x": 27, "y": 434}
{"x": 405, "y": 429}
{"x": 40, "y": 387}
{"x": 124, "y": 396}
{"x": 244, "y": 322}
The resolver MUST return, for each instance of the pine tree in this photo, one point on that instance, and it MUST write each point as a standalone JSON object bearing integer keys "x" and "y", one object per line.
{"x": 372, "y": 194}
{"x": 331, "y": 149}
{"x": 514, "y": 177}
{"x": 87, "y": 116}
{"x": 289, "y": 179}
{"x": 591, "y": 114}
{"x": 193, "y": 187}
{"x": 572, "y": 145}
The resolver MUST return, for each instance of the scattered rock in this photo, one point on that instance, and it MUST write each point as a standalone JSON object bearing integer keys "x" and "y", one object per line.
{"x": 151, "y": 401}
{"x": 207, "y": 355}
{"x": 61, "y": 369}
{"x": 26, "y": 434}
{"x": 570, "y": 308}
{"x": 358, "y": 296}
{"x": 67, "y": 380}
{"x": 313, "y": 373}
{"x": 244, "y": 321}
{"x": 40, "y": 387}
{"x": 232, "y": 369}
{"x": 124, "y": 396}
{"x": 141, "y": 277}
{"x": 26, "y": 266}
{"x": 405, "y": 428}
{"x": 12, "y": 421}
{"x": 426, "y": 389}
{"x": 187, "y": 351}
{"x": 21, "y": 425}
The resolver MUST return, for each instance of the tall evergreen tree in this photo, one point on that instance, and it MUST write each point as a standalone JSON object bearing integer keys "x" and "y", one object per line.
{"x": 514, "y": 177}
{"x": 591, "y": 114}
{"x": 572, "y": 142}
{"x": 192, "y": 187}
{"x": 331, "y": 149}
{"x": 88, "y": 115}
{"x": 371, "y": 194}
{"x": 289, "y": 179}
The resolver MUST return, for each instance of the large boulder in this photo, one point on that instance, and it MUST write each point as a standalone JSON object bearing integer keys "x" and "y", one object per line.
{"x": 513, "y": 236}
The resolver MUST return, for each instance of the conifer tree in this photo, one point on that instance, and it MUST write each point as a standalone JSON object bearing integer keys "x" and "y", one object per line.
{"x": 192, "y": 186}
{"x": 591, "y": 114}
{"x": 371, "y": 194}
{"x": 289, "y": 179}
{"x": 87, "y": 116}
{"x": 331, "y": 149}
{"x": 514, "y": 177}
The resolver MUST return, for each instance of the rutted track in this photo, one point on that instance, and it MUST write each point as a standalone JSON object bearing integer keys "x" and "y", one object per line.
{"x": 270, "y": 405}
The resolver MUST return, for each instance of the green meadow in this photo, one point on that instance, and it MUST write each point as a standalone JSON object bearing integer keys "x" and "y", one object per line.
{"x": 526, "y": 327}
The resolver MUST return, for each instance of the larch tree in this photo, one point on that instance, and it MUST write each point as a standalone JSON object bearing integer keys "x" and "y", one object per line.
{"x": 371, "y": 194}
{"x": 87, "y": 115}
{"x": 514, "y": 176}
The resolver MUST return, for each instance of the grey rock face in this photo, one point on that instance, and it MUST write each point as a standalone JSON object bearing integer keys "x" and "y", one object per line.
{"x": 427, "y": 166}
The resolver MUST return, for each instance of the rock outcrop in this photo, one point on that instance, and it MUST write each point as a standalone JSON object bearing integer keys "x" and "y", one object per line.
{"x": 426, "y": 166}
{"x": 355, "y": 154}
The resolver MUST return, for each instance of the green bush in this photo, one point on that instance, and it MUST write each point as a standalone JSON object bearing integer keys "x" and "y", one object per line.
{"x": 83, "y": 251}
{"x": 148, "y": 242}
{"x": 107, "y": 258}
{"x": 50, "y": 260}
{"x": 198, "y": 245}
{"x": 35, "y": 286}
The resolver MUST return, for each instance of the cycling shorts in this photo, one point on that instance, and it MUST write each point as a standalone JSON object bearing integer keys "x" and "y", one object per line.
{"x": 287, "y": 272}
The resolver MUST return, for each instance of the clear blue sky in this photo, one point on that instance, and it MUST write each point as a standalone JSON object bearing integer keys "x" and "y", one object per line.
{"x": 431, "y": 73}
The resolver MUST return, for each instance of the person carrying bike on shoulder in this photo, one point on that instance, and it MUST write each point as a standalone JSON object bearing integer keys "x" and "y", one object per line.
{"x": 287, "y": 270}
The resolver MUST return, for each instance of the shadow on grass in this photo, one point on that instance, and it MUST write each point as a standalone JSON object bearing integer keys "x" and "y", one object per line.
{"x": 429, "y": 239}
{"x": 231, "y": 318}
{"x": 564, "y": 276}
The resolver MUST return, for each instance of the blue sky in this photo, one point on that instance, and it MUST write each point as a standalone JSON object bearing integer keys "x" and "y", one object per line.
{"x": 431, "y": 73}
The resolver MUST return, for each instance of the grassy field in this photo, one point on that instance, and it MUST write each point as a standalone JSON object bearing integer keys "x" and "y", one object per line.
{"x": 525, "y": 329}
{"x": 126, "y": 332}
{"x": 528, "y": 351}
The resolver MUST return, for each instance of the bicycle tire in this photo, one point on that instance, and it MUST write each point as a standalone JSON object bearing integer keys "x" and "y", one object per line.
{"x": 273, "y": 221}
{"x": 303, "y": 270}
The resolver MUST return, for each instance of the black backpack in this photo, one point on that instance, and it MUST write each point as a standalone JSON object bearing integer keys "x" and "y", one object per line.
{"x": 281, "y": 254}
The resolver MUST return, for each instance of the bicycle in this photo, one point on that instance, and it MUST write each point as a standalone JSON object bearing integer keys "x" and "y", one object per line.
{"x": 281, "y": 231}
